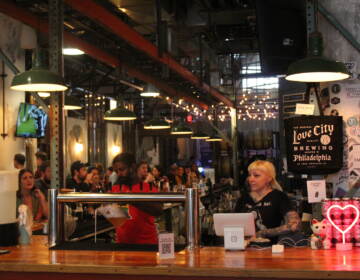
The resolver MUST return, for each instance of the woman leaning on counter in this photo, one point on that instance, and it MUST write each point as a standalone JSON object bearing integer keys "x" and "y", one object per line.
{"x": 274, "y": 215}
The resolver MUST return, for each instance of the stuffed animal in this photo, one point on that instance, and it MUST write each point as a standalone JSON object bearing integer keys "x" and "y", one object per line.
{"x": 25, "y": 224}
{"x": 318, "y": 238}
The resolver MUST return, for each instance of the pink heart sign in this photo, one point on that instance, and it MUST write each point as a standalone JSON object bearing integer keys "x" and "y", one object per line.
{"x": 356, "y": 210}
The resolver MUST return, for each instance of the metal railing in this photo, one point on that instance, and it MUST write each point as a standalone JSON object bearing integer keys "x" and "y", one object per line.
{"x": 57, "y": 202}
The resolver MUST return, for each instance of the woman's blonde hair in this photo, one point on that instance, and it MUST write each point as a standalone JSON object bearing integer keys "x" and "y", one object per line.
{"x": 269, "y": 169}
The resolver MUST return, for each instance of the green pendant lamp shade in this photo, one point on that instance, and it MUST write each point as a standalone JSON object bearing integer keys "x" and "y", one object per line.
{"x": 156, "y": 124}
{"x": 43, "y": 94}
{"x": 200, "y": 136}
{"x": 181, "y": 129}
{"x": 214, "y": 138}
{"x": 315, "y": 67}
{"x": 119, "y": 114}
{"x": 38, "y": 78}
{"x": 72, "y": 103}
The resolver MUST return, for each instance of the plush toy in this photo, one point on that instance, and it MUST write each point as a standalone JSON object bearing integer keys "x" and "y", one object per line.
{"x": 25, "y": 224}
{"x": 318, "y": 238}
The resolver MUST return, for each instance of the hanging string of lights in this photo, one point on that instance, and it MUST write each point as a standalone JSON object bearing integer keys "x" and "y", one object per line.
{"x": 258, "y": 106}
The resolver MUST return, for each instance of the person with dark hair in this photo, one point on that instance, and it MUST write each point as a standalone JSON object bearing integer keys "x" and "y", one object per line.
{"x": 43, "y": 182}
{"x": 79, "y": 179}
{"x": 140, "y": 229}
{"x": 172, "y": 175}
{"x": 31, "y": 196}
{"x": 194, "y": 168}
{"x": 162, "y": 182}
{"x": 190, "y": 177}
{"x": 19, "y": 161}
{"x": 41, "y": 157}
{"x": 142, "y": 172}
{"x": 180, "y": 178}
{"x": 107, "y": 182}
{"x": 96, "y": 184}
{"x": 115, "y": 163}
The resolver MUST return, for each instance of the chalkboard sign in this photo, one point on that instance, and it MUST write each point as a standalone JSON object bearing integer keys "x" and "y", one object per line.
{"x": 314, "y": 144}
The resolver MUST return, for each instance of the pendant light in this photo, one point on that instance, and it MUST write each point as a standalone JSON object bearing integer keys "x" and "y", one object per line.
{"x": 156, "y": 123}
{"x": 43, "y": 94}
{"x": 72, "y": 103}
{"x": 200, "y": 136}
{"x": 72, "y": 51}
{"x": 181, "y": 129}
{"x": 214, "y": 138}
{"x": 150, "y": 91}
{"x": 315, "y": 68}
{"x": 119, "y": 114}
{"x": 38, "y": 78}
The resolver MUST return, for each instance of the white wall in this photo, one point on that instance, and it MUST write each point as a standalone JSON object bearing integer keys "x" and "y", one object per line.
{"x": 346, "y": 93}
{"x": 10, "y": 36}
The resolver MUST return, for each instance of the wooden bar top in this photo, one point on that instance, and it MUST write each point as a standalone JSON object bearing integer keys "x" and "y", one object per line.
{"x": 294, "y": 263}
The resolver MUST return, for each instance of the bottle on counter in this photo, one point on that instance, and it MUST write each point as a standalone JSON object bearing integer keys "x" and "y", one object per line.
{"x": 25, "y": 224}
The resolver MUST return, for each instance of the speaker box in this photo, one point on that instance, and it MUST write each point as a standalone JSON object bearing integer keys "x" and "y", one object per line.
{"x": 281, "y": 26}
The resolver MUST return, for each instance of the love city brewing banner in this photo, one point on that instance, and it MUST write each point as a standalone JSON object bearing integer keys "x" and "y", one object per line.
{"x": 314, "y": 144}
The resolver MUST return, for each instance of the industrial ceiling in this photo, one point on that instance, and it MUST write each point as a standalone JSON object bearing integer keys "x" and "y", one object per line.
{"x": 174, "y": 45}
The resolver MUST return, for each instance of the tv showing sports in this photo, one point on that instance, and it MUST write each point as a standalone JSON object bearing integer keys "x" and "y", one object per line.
{"x": 31, "y": 121}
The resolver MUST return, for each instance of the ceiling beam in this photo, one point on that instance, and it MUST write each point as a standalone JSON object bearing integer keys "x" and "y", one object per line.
{"x": 98, "y": 13}
{"x": 41, "y": 25}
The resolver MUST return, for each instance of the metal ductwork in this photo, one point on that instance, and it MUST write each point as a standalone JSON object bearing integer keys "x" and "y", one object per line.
{"x": 8, "y": 8}
{"x": 99, "y": 14}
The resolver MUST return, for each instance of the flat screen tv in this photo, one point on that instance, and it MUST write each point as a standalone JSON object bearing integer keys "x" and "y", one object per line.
{"x": 31, "y": 121}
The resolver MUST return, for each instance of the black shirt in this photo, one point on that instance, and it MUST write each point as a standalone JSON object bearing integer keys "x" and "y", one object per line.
{"x": 270, "y": 210}
{"x": 79, "y": 187}
{"x": 43, "y": 186}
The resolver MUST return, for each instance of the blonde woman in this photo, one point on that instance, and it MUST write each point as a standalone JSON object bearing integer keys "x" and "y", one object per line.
{"x": 272, "y": 208}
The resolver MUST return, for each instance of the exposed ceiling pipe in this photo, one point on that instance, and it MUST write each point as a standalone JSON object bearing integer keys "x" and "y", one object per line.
{"x": 96, "y": 12}
{"x": 131, "y": 85}
{"x": 37, "y": 23}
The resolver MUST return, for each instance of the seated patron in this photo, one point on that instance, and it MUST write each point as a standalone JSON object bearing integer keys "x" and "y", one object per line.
{"x": 162, "y": 182}
{"x": 142, "y": 172}
{"x": 191, "y": 177}
{"x": 180, "y": 177}
{"x": 31, "y": 196}
{"x": 94, "y": 176}
{"x": 43, "y": 182}
{"x": 274, "y": 215}
{"x": 172, "y": 176}
{"x": 79, "y": 179}
{"x": 19, "y": 161}
{"x": 140, "y": 229}
{"x": 41, "y": 157}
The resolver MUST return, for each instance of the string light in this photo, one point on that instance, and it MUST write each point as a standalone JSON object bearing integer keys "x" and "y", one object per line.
{"x": 259, "y": 106}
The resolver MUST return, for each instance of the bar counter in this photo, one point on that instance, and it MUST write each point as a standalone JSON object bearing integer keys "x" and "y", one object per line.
{"x": 36, "y": 261}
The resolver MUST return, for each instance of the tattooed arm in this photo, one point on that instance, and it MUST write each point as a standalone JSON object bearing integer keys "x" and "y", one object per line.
{"x": 292, "y": 223}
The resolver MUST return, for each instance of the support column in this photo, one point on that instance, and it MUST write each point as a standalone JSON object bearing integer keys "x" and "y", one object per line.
{"x": 57, "y": 122}
{"x": 234, "y": 131}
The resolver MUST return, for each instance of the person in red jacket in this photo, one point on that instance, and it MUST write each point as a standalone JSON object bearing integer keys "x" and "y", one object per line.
{"x": 140, "y": 228}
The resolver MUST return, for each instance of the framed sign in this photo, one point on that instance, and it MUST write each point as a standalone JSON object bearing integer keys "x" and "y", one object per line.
{"x": 314, "y": 144}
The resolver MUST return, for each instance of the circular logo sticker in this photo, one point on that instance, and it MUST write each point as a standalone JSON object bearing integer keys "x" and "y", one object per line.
{"x": 335, "y": 88}
{"x": 352, "y": 121}
{"x": 325, "y": 139}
